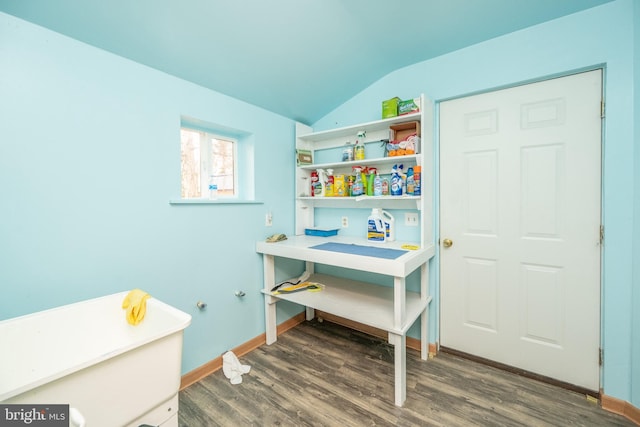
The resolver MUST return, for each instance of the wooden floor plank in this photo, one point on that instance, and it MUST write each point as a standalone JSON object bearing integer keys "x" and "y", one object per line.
{"x": 322, "y": 374}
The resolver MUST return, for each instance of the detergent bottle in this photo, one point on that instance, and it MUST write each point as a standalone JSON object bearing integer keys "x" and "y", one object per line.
{"x": 319, "y": 188}
{"x": 363, "y": 177}
{"x": 417, "y": 172}
{"x": 314, "y": 182}
{"x": 389, "y": 225}
{"x": 411, "y": 183}
{"x": 385, "y": 187}
{"x": 377, "y": 185}
{"x": 328, "y": 187}
{"x": 376, "y": 231}
{"x": 396, "y": 182}
{"x": 339, "y": 188}
{"x": 359, "y": 149}
{"x": 358, "y": 188}
{"x": 403, "y": 177}
{"x": 370, "y": 181}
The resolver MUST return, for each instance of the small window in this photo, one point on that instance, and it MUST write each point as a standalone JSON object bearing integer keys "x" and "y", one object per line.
{"x": 207, "y": 158}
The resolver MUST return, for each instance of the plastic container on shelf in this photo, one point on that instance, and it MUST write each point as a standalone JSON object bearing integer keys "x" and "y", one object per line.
{"x": 319, "y": 188}
{"x": 376, "y": 231}
{"x": 339, "y": 186}
{"x": 417, "y": 176}
{"x": 328, "y": 187}
{"x": 322, "y": 232}
{"x": 359, "y": 150}
{"x": 347, "y": 153}
{"x": 396, "y": 182}
{"x": 411, "y": 183}
{"x": 371, "y": 180}
{"x": 389, "y": 225}
{"x": 377, "y": 185}
{"x": 314, "y": 182}
{"x": 358, "y": 186}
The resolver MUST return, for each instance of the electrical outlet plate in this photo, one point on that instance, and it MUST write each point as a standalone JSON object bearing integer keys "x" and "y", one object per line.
{"x": 268, "y": 219}
{"x": 411, "y": 219}
{"x": 345, "y": 221}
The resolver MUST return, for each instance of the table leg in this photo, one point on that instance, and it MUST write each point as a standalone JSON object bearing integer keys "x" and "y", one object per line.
{"x": 424, "y": 317}
{"x": 400, "y": 367}
{"x": 269, "y": 301}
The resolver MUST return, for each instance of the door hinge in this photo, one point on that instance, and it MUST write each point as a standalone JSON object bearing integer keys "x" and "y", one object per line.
{"x": 601, "y": 235}
{"x": 602, "y": 109}
{"x": 600, "y": 356}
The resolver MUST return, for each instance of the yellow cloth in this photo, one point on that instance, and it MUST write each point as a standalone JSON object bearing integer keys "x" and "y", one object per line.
{"x": 136, "y": 305}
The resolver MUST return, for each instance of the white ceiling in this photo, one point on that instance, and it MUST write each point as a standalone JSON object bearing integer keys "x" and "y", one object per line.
{"x": 297, "y": 58}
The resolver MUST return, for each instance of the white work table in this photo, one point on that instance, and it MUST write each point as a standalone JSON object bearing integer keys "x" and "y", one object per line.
{"x": 392, "y": 309}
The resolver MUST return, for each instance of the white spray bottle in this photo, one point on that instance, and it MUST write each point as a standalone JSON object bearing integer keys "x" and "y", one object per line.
{"x": 322, "y": 179}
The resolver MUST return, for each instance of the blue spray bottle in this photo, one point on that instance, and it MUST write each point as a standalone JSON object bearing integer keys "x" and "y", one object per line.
{"x": 396, "y": 181}
{"x": 358, "y": 187}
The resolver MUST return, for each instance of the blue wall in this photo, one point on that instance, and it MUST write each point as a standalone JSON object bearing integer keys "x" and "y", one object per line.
{"x": 635, "y": 337}
{"x": 89, "y": 159}
{"x": 599, "y": 36}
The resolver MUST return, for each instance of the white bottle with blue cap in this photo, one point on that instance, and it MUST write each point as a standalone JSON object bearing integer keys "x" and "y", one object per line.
{"x": 376, "y": 231}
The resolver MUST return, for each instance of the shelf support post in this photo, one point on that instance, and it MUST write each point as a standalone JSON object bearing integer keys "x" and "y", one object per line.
{"x": 399, "y": 302}
{"x": 269, "y": 304}
{"x": 424, "y": 317}
{"x": 310, "y": 312}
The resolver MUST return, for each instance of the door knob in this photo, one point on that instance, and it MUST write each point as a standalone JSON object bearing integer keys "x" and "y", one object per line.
{"x": 447, "y": 243}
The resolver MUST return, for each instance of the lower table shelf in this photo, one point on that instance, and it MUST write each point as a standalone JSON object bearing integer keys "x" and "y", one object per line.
{"x": 361, "y": 302}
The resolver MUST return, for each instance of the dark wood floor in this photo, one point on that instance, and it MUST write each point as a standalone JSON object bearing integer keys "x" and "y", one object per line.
{"x": 322, "y": 374}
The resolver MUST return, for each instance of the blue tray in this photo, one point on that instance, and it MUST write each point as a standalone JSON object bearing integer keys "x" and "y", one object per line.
{"x": 323, "y": 232}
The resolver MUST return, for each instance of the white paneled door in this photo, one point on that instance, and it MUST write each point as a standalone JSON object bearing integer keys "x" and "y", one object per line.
{"x": 520, "y": 179}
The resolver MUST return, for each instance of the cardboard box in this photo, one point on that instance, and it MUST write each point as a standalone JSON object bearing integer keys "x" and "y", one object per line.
{"x": 390, "y": 107}
{"x": 304, "y": 157}
{"x": 401, "y": 131}
{"x": 409, "y": 106}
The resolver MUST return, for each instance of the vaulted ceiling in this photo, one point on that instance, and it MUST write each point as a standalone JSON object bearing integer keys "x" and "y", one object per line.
{"x": 297, "y": 58}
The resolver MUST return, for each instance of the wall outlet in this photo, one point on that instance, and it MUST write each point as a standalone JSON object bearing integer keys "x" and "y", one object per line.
{"x": 411, "y": 219}
{"x": 345, "y": 221}
{"x": 268, "y": 219}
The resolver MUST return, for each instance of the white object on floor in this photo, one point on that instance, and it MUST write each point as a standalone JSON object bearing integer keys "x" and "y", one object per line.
{"x": 232, "y": 368}
{"x": 76, "y": 418}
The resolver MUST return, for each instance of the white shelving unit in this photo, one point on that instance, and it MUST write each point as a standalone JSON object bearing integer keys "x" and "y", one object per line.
{"x": 392, "y": 309}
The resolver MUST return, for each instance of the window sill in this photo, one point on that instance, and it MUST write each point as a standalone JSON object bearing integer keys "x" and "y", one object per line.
{"x": 214, "y": 202}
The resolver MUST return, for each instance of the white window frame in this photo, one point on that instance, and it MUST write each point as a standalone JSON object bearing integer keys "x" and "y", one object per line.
{"x": 206, "y": 168}
{"x": 206, "y": 164}
{"x": 244, "y": 164}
